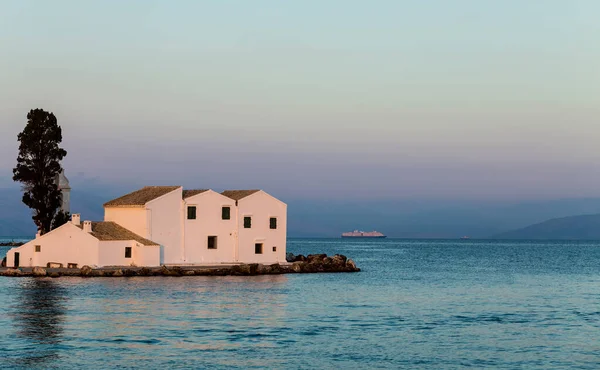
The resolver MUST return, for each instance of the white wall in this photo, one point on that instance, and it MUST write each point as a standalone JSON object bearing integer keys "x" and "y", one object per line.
{"x": 209, "y": 222}
{"x": 147, "y": 255}
{"x": 261, "y": 207}
{"x": 67, "y": 244}
{"x": 166, "y": 225}
{"x": 132, "y": 218}
{"x": 112, "y": 253}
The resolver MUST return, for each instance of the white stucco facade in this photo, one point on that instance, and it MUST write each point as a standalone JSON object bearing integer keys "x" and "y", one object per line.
{"x": 71, "y": 244}
{"x": 134, "y": 219}
{"x": 261, "y": 207}
{"x": 168, "y": 226}
{"x": 165, "y": 217}
{"x": 209, "y": 222}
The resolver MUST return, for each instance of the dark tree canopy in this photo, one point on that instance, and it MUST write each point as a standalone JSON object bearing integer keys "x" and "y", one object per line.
{"x": 38, "y": 164}
{"x": 60, "y": 219}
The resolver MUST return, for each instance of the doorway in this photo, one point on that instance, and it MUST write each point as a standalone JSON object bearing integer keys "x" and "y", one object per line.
{"x": 17, "y": 257}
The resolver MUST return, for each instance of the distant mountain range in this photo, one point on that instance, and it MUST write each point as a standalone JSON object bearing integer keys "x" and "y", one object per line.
{"x": 584, "y": 227}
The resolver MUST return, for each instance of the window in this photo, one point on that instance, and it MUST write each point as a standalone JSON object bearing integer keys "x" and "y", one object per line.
{"x": 226, "y": 213}
{"x": 274, "y": 249}
{"x": 127, "y": 252}
{"x": 258, "y": 248}
{"x": 273, "y": 223}
{"x": 212, "y": 242}
{"x": 247, "y": 222}
{"x": 38, "y": 248}
{"x": 191, "y": 212}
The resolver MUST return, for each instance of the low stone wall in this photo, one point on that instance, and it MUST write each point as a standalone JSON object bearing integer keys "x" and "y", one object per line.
{"x": 301, "y": 264}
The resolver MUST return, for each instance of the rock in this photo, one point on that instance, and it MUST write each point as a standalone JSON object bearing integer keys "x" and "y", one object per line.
{"x": 215, "y": 272}
{"x": 144, "y": 271}
{"x": 3, "y": 262}
{"x": 11, "y": 244}
{"x": 245, "y": 269}
{"x": 129, "y": 272}
{"x": 275, "y": 268}
{"x": 39, "y": 271}
{"x": 327, "y": 261}
{"x": 118, "y": 273}
{"x": 315, "y": 257}
{"x": 171, "y": 271}
{"x": 351, "y": 265}
{"x": 189, "y": 273}
{"x": 339, "y": 260}
{"x": 54, "y": 274}
{"x": 290, "y": 257}
{"x": 298, "y": 266}
{"x": 13, "y": 272}
{"x": 299, "y": 258}
{"x": 86, "y": 271}
{"x": 262, "y": 269}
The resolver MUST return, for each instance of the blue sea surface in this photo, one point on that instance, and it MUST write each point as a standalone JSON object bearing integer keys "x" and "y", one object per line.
{"x": 440, "y": 304}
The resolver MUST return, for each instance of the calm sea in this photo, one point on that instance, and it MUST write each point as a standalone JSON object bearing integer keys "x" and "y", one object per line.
{"x": 417, "y": 304}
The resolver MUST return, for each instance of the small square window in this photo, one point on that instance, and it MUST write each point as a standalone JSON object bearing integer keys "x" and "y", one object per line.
{"x": 226, "y": 213}
{"x": 258, "y": 248}
{"x": 127, "y": 252}
{"x": 212, "y": 242}
{"x": 274, "y": 249}
{"x": 273, "y": 223}
{"x": 247, "y": 222}
{"x": 191, "y": 213}
{"x": 38, "y": 248}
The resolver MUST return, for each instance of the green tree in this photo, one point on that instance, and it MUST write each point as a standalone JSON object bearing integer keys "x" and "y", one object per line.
{"x": 60, "y": 219}
{"x": 38, "y": 164}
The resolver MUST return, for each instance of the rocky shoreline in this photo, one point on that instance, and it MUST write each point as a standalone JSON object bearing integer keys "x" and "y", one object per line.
{"x": 313, "y": 263}
{"x": 11, "y": 244}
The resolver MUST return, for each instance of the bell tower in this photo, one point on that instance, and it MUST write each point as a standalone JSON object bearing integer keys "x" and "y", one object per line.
{"x": 63, "y": 185}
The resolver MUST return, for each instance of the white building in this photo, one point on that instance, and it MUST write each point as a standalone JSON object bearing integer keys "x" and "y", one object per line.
{"x": 159, "y": 225}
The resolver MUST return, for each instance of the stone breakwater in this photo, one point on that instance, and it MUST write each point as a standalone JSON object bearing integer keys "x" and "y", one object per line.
{"x": 301, "y": 264}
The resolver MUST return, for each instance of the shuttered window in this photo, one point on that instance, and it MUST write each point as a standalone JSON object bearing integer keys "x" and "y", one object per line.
{"x": 258, "y": 248}
{"x": 273, "y": 223}
{"x": 247, "y": 222}
{"x": 127, "y": 252}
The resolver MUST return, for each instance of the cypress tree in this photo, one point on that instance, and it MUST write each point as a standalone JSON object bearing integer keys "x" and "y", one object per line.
{"x": 38, "y": 164}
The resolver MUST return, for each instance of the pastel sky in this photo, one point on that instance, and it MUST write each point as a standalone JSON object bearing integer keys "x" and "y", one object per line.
{"x": 325, "y": 98}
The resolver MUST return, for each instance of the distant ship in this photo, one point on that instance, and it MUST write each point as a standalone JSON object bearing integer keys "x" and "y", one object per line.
{"x": 363, "y": 234}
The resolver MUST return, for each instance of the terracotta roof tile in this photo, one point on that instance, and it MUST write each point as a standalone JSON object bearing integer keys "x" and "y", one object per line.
{"x": 238, "y": 194}
{"x": 111, "y": 231}
{"x": 140, "y": 197}
{"x": 191, "y": 193}
{"x": 108, "y": 230}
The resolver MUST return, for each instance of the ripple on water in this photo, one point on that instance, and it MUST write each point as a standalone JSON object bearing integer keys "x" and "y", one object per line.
{"x": 417, "y": 304}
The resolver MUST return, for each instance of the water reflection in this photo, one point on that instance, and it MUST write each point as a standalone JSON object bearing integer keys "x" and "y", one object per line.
{"x": 39, "y": 314}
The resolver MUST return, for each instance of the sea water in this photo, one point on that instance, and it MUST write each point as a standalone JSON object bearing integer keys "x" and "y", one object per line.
{"x": 416, "y": 304}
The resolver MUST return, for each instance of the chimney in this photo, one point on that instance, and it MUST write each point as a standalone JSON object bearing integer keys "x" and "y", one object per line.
{"x": 76, "y": 219}
{"x": 87, "y": 226}
{"x": 38, "y": 234}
